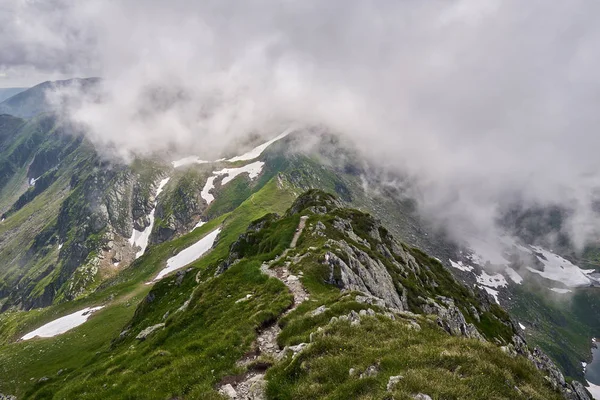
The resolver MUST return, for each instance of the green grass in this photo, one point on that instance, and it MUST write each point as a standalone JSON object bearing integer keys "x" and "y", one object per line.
{"x": 200, "y": 344}
{"x": 34, "y": 359}
{"x": 431, "y": 362}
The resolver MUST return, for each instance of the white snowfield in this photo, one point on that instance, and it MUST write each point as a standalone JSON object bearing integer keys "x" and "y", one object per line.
{"x": 494, "y": 281}
{"x": 253, "y": 170}
{"x": 199, "y": 224}
{"x": 62, "y": 324}
{"x": 594, "y": 390}
{"x": 555, "y": 267}
{"x": 558, "y": 269}
{"x": 140, "y": 238}
{"x": 257, "y": 151}
{"x": 208, "y": 186}
{"x": 461, "y": 266}
{"x": 561, "y": 290}
{"x": 188, "y": 160}
{"x": 521, "y": 326}
{"x": 189, "y": 254}
{"x": 491, "y": 292}
{"x": 513, "y": 275}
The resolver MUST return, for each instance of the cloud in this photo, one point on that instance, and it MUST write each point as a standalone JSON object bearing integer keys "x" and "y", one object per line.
{"x": 483, "y": 102}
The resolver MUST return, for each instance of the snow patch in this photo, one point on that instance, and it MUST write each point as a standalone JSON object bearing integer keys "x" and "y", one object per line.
{"x": 495, "y": 281}
{"x": 62, "y": 324}
{"x": 253, "y": 170}
{"x": 189, "y": 254}
{"x": 521, "y": 326}
{"x": 60, "y": 245}
{"x": 491, "y": 292}
{"x": 199, "y": 224}
{"x": 188, "y": 160}
{"x": 558, "y": 269}
{"x": 208, "y": 186}
{"x": 257, "y": 151}
{"x": 513, "y": 275}
{"x": 460, "y": 266}
{"x": 560, "y": 290}
{"x": 594, "y": 390}
{"x": 140, "y": 238}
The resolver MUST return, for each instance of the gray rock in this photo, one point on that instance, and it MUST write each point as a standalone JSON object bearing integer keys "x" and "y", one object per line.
{"x": 421, "y": 396}
{"x": 363, "y": 274}
{"x": 393, "y": 381}
{"x": 318, "y": 311}
{"x": 580, "y": 390}
{"x": 370, "y": 300}
{"x": 371, "y": 371}
{"x": 149, "y": 330}
{"x": 228, "y": 391}
{"x": 451, "y": 319}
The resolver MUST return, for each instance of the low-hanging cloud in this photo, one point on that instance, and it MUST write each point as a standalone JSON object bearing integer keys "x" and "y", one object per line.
{"x": 482, "y": 102}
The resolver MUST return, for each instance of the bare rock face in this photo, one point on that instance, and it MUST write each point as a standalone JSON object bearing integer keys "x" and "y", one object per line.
{"x": 148, "y": 331}
{"x": 362, "y": 273}
{"x": 451, "y": 319}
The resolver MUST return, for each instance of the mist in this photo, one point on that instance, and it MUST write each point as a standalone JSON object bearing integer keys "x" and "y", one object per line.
{"x": 482, "y": 103}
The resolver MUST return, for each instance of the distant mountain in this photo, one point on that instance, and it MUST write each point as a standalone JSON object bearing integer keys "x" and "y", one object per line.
{"x": 33, "y": 101}
{"x": 6, "y": 93}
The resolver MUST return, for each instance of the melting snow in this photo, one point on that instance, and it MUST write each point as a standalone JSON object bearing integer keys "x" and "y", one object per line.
{"x": 188, "y": 160}
{"x": 558, "y": 269}
{"x": 460, "y": 266}
{"x": 208, "y": 186}
{"x": 513, "y": 275}
{"x": 492, "y": 292}
{"x": 60, "y": 245}
{"x": 521, "y": 326}
{"x": 199, "y": 224}
{"x": 257, "y": 151}
{"x": 560, "y": 290}
{"x": 62, "y": 324}
{"x": 495, "y": 281}
{"x": 140, "y": 238}
{"x": 190, "y": 254}
{"x": 252, "y": 169}
{"x": 594, "y": 390}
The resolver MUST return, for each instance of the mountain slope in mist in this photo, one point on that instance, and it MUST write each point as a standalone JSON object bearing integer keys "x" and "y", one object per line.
{"x": 80, "y": 231}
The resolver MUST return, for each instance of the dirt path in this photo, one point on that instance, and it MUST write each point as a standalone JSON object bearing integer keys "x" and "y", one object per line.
{"x": 251, "y": 386}
{"x": 298, "y": 231}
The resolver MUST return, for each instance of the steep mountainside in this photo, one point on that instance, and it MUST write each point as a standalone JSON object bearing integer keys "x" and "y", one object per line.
{"x": 6, "y": 93}
{"x": 319, "y": 302}
{"x": 33, "y": 101}
{"x": 270, "y": 296}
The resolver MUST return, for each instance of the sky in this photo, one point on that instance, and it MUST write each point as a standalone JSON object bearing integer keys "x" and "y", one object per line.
{"x": 481, "y": 101}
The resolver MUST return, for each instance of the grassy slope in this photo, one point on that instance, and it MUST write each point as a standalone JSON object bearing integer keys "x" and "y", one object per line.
{"x": 122, "y": 293}
{"x": 561, "y": 325}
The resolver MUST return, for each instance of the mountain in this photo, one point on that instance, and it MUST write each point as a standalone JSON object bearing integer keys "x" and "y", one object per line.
{"x": 5, "y": 93}
{"x": 33, "y": 101}
{"x": 274, "y": 273}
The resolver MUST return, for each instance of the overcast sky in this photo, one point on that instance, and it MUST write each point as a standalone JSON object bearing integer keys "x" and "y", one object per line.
{"x": 482, "y": 100}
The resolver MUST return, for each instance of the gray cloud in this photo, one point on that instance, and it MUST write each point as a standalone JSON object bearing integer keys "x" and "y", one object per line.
{"x": 482, "y": 102}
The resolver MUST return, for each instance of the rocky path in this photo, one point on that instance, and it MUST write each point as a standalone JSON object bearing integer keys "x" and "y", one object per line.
{"x": 298, "y": 231}
{"x": 251, "y": 386}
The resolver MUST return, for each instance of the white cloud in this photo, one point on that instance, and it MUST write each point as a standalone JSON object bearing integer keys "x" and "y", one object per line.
{"x": 480, "y": 102}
